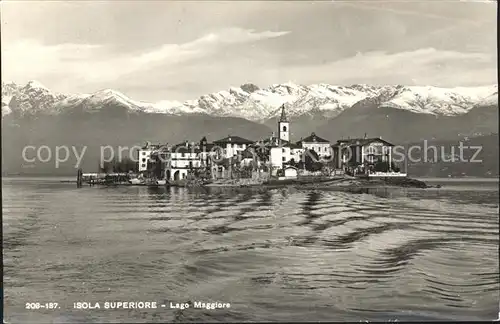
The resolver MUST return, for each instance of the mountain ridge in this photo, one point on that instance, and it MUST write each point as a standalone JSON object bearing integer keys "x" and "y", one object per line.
{"x": 257, "y": 104}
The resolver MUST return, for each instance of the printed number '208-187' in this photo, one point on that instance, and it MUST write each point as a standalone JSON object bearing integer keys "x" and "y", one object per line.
{"x": 41, "y": 306}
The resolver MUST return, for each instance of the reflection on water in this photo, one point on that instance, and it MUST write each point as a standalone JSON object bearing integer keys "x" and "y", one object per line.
{"x": 278, "y": 255}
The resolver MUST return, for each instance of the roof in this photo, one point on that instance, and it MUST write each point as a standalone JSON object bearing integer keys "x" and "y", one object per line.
{"x": 150, "y": 146}
{"x": 272, "y": 141}
{"x": 277, "y": 142}
{"x": 283, "y": 117}
{"x": 181, "y": 148}
{"x": 184, "y": 149}
{"x": 361, "y": 141}
{"x": 313, "y": 138}
{"x": 290, "y": 145}
{"x": 207, "y": 147}
{"x": 233, "y": 140}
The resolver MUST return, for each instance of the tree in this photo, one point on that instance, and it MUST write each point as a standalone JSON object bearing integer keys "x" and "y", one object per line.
{"x": 292, "y": 163}
{"x": 383, "y": 166}
{"x": 230, "y": 164}
{"x": 310, "y": 161}
{"x": 246, "y": 171}
{"x": 119, "y": 166}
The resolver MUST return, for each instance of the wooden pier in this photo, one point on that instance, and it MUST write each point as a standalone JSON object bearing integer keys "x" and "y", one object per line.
{"x": 93, "y": 179}
{"x": 79, "y": 178}
{"x": 113, "y": 179}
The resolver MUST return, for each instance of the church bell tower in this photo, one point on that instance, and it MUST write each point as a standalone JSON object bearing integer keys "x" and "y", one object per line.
{"x": 284, "y": 126}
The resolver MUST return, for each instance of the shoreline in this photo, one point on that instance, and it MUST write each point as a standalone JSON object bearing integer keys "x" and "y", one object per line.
{"x": 335, "y": 183}
{"x": 321, "y": 183}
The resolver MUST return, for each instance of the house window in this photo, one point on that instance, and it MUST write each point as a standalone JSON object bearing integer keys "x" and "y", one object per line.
{"x": 284, "y": 128}
{"x": 143, "y": 160}
{"x": 283, "y": 159}
{"x": 283, "y": 150}
{"x": 144, "y": 165}
{"x": 143, "y": 153}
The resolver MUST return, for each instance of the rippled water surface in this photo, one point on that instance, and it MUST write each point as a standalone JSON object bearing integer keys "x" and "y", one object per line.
{"x": 280, "y": 255}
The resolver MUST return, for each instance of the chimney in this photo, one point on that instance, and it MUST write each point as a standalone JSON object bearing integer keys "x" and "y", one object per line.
{"x": 186, "y": 144}
{"x": 365, "y": 135}
{"x": 380, "y": 137}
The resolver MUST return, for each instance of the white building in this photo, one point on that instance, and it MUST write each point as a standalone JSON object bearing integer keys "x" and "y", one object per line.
{"x": 278, "y": 156}
{"x": 317, "y": 144}
{"x": 250, "y": 158}
{"x": 359, "y": 151}
{"x": 232, "y": 145}
{"x": 181, "y": 159}
{"x": 296, "y": 152}
{"x": 144, "y": 156}
{"x": 283, "y": 153}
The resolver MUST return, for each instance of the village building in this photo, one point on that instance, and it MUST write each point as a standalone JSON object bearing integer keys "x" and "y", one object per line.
{"x": 282, "y": 152}
{"x": 144, "y": 156}
{"x": 317, "y": 144}
{"x": 279, "y": 154}
{"x": 232, "y": 145}
{"x": 279, "y": 148}
{"x": 182, "y": 159}
{"x": 362, "y": 151}
{"x": 249, "y": 157}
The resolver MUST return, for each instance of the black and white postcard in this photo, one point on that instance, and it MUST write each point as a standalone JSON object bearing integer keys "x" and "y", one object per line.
{"x": 249, "y": 161}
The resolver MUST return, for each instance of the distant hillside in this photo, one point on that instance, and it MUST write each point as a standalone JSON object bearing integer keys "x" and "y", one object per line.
{"x": 103, "y": 128}
{"x": 489, "y": 155}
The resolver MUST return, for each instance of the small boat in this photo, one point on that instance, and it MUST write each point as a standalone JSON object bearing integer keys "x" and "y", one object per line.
{"x": 161, "y": 182}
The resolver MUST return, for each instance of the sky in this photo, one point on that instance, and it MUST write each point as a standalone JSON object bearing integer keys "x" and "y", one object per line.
{"x": 168, "y": 50}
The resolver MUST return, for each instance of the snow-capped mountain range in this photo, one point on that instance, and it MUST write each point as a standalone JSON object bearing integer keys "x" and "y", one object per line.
{"x": 255, "y": 104}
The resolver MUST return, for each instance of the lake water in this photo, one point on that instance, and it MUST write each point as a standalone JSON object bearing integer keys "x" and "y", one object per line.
{"x": 280, "y": 255}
